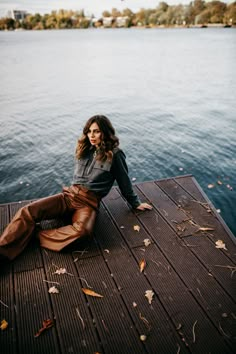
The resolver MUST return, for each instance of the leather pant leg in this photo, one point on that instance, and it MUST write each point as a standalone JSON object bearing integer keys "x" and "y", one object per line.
{"x": 18, "y": 233}
{"x": 83, "y": 220}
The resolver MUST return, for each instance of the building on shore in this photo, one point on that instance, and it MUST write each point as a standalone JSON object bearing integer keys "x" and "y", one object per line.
{"x": 17, "y": 15}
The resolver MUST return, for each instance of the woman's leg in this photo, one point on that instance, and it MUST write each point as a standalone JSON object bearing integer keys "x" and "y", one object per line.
{"x": 83, "y": 220}
{"x": 18, "y": 233}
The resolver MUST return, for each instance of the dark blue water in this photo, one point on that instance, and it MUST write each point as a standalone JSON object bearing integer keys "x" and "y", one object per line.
{"x": 170, "y": 93}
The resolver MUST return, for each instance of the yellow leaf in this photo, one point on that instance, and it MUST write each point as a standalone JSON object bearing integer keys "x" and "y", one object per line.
{"x": 136, "y": 228}
{"x": 146, "y": 242}
{"x": 221, "y": 244}
{"x": 4, "y": 325}
{"x": 149, "y": 295}
{"x": 91, "y": 292}
{"x": 143, "y": 337}
{"x": 142, "y": 265}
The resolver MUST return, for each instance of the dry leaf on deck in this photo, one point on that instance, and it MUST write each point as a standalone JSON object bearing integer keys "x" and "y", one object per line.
{"x": 53, "y": 290}
{"x": 4, "y": 325}
{"x": 134, "y": 304}
{"x": 91, "y": 292}
{"x": 142, "y": 265}
{"x": 136, "y": 228}
{"x": 143, "y": 337}
{"x": 221, "y": 244}
{"x": 46, "y": 324}
{"x": 205, "y": 229}
{"x": 146, "y": 242}
{"x": 60, "y": 271}
{"x": 149, "y": 295}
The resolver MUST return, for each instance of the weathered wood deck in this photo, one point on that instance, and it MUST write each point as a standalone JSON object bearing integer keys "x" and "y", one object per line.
{"x": 193, "y": 309}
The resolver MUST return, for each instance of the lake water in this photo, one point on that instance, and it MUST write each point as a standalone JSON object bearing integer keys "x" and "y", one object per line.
{"x": 170, "y": 94}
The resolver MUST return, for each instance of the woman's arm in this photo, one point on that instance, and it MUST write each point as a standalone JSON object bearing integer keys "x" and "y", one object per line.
{"x": 120, "y": 172}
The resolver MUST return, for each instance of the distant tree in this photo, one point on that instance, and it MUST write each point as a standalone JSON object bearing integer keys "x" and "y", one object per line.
{"x": 217, "y": 10}
{"x": 115, "y": 12}
{"x": 230, "y": 14}
{"x": 106, "y": 14}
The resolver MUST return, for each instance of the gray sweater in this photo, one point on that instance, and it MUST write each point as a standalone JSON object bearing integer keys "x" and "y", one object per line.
{"x": 99, "y": 176}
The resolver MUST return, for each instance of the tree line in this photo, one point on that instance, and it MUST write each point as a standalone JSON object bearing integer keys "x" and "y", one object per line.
{"x": 197, "y": 12}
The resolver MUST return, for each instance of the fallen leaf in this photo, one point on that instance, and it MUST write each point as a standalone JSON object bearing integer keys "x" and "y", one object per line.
{"x": 211, "y": 186}
{"x": 136, "y": 228}
{"x": 53, "y": 290}
{"x": 221, "y": 244}
{"x": 46, "y": 324}
{"x": 142, "y": 265}
{"x": 143, "y": 337}
{"x": 60, "y": 271}
{"x": 146, "y": 242}
{"x": 91, "y": 292}
{"x": 219, "y": 182}
{"x": 4, "y": 325}
{"x": 134, "y": 304}
{"x": 205, "y": 229}
{"x": 149, "y": 295}
{"x": 107, "y": 251}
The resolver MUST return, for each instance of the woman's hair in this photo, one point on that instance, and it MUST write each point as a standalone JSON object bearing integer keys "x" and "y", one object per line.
{"x": 108, "y": 139}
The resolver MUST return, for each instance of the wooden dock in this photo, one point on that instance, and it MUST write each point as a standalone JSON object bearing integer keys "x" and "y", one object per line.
{"x": 193, "y": 282}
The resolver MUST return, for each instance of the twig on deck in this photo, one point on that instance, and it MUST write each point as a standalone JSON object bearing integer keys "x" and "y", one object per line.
{"x": 49, "y": 281}
{"x": 145, "y": 321}
{"x": 82, "y": 252}
{"x": 194, "y": 336}
{"x": 107, "y": 330}
{"x": 88, "y": 286}
{"x": 4, "y": 304}
{"x": 225, "y": 334}
{"x": 231, "y": 268}
{"x": 80, "y": 317}
{"x": 178, "y": 351}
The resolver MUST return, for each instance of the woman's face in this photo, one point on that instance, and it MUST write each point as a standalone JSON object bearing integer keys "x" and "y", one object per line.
{"x": 94, "y": 134}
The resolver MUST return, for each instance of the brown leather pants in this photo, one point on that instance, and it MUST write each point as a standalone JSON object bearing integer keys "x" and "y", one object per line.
{"x": 82, "y": 203}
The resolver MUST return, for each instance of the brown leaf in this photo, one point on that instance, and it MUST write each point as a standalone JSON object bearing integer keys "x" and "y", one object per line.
{"x": 142, "y": 265}
{"x": 46, "y": 324}
{"x": 91, "y": 292}
{"x": 4, "y": 325}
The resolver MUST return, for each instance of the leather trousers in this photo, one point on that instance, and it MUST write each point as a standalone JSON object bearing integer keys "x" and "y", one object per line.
{"x": 76, "y": 200}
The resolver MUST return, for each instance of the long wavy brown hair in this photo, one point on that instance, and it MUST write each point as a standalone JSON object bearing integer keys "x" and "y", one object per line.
{"x": 108, "y": 139}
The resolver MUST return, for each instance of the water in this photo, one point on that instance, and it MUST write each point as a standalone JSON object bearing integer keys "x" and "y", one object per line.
{"x": 170, "y": 93}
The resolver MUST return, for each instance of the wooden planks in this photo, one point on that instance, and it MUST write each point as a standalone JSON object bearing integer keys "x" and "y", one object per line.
{"x": 193, "y": 308}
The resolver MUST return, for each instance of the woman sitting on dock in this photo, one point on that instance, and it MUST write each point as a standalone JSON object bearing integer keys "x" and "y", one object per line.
{"x": 98, "y": 163}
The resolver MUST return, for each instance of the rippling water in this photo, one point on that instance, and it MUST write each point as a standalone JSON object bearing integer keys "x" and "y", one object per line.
{"x": 170, "y": 93}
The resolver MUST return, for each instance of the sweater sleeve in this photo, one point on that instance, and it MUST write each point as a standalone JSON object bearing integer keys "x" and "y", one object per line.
{"x": 119, "y": 170}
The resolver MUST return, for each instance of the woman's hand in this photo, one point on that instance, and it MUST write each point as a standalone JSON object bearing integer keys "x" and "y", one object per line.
{"x": 144, "y": 206}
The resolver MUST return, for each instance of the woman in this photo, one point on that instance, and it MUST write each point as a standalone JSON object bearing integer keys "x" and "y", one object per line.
{"x": 98, "y": 163}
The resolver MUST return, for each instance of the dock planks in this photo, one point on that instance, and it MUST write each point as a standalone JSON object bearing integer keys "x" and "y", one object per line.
{"x": 193, "y": 308}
